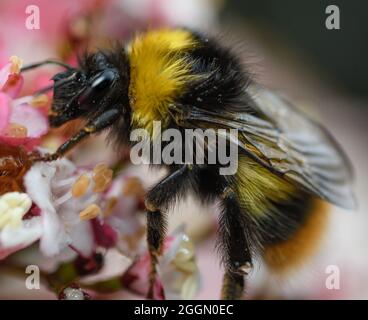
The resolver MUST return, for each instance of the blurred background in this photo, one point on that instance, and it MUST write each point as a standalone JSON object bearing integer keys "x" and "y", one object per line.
{"x": 288, "y": 47}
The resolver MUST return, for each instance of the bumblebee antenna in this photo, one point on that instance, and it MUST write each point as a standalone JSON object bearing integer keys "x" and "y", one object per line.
{"x": 39, "y": 64}
{"x": 44, "y": 90}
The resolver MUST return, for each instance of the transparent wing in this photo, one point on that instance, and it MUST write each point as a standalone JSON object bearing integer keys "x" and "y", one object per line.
{"x": 287, "y": 142}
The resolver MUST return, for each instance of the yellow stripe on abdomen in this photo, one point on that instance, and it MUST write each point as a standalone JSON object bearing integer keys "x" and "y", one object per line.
{"x": 258, "y": 187}
{"x": 264, "y": 195}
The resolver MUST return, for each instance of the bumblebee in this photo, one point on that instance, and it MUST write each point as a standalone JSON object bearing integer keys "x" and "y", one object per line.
{"x": 288, "y": 165}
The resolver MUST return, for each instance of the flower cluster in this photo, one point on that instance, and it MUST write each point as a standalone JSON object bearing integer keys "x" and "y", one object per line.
{"x": 73, "y": 211}
{"x": 63, "y": 206}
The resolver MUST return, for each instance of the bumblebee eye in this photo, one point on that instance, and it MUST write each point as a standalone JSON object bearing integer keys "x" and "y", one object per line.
{"x": 104, "y": 80}
{"x": 99, "y": 84}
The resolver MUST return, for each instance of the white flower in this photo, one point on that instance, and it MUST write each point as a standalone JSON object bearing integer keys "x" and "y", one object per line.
{"x": 67, "y": 198}
{"x": 124, "y": 215}
{"x": 178, "y": 274}
{"x": 178, "y": 268}
{"x": 15, "y": 232}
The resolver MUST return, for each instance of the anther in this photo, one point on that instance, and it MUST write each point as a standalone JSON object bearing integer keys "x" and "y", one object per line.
{"x": 110, "y": 205}
{"x": 16, "y": 130}
{"x": 102, "y": 177}
{"x": 39, "y": 100}
{"x": 80, "y": 186}
{"x": 91, "y": 212}
{"x": 16, "y": 64}
{"x": 133, "y": 187}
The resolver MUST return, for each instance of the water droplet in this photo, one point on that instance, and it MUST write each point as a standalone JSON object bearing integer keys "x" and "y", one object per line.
{"x": 73, "y": 294}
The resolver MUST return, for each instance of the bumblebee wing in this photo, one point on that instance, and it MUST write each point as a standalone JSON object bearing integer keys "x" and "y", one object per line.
{"x": 287, "y": 142}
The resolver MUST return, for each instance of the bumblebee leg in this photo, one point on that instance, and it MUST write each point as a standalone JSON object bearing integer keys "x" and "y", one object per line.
{"x": 232, "y": 286}
{"x": 156, "y": 231}
{"x": 157, "y": 201}
{"x": 101, "y": 122}
{"x": 170, "y": 187}
{"x": 234, "y": 243}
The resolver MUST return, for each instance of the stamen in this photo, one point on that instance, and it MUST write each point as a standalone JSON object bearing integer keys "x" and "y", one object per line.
{"x": 79, "y": 28}
{"x": 13, "y": 206}
{"x": 80, "y": 186}
{"x": 64, "y": 198}
{"x": 99, "y": 167}
{"x": 16, "y": 64}
{"x": 133, "y": 187}
{"x": 110, "y": 205}
{"x": 39, "y": 100}
{"x": 53, "y": 113}
{"x": 63, "y": 182}
{"x": 16, "y": 130}
{"x": 5, "y": 218}
{"x": 22, "y": 100}
{"x": 91, "y": 212}
{"x": 102, "y": 177}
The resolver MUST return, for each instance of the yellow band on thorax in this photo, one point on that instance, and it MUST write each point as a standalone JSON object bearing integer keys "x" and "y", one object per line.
{"x": 159, "y": 73}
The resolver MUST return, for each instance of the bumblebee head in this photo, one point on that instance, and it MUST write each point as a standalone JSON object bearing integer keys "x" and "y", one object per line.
{"x": 100, "y": 82}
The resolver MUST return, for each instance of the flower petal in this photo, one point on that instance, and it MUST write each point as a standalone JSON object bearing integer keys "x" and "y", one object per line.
{"x": 105, "y": 235}
{"x": 5, "y": 252}
{"x": 35, "y": 122}
{"x": 178, "y": 268}
{"x": 21, "y": 237}
{"x": 13, "y": 85}
{"x": 54, "y": 237}
{"x": 15, "y": 232}
{"x": 30, "y": 118}
{"x": 137, "y": 278}
{"x": 11, "y": 81}
{"x": 82, "y": 238}
{"x": 4, "y": 74}
{"x": 4, "y": 110}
